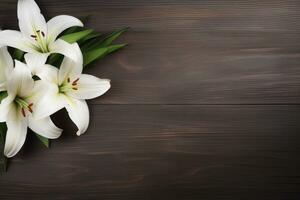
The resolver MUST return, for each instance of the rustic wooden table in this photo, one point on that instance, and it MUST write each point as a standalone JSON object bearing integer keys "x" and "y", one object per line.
{"x": 205, "y": 104}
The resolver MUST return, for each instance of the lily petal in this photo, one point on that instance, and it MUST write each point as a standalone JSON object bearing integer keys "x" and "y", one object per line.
{"x": 64, "y": 48}
{"x": 21, "y": 81}
{"x": 35, "y": 62}
{"x": 50, "y": 103}
{"x": 90, "y": 87}
{"x": 30, "y": 18}
{"x": 17, "y": 40}
{"x": 16, "y": 132}
{"x": 5, "y": 106}
{"x": 48, "y": 73}
{"x": 6, "y": 64}
{"x": 44, "y": 127}
{"x": 37, "y": 93}
{"x": 60, "y": 23}
{"x": 2, "y": 86}
{"x": 71, "y": 68}
{"x": 79, "y": 114}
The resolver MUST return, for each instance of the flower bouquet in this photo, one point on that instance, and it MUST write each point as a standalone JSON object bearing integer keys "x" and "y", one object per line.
{"x": 41, "y": 73}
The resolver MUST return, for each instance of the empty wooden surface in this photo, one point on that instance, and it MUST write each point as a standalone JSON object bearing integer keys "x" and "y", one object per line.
{"x": 205, "y": 104}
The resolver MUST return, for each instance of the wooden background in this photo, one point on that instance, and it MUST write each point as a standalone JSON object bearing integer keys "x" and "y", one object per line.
{"x": 205, "y": 104}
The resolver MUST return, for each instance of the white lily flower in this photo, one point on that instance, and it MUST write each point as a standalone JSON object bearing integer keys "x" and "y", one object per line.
{"x": 18, "y": 107}
{"x": 36, "y": 35}
{"x": 6, "y": 66}
{"x": 36, "y": 64}
{"x": 68, "y": 88}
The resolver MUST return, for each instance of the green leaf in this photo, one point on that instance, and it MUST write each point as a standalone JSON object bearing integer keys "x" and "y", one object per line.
{"x": 71, "y": 30}
{"x": 74, "y": 37}
{"x": 89, "y": 45}
{"x": 116, "y": 47}
{"x": 94, "y": 55}
{"x": 44, "y": 140}
{"x": 2, "y": 95}
{"x": 3, "y": 159}
{"x": 18, "y": 54}
{"x": 99, "y": 53}
{"x": 113, "y": 36}
{"x": 91, "y": 36}
{"x": 96, "y": 43}
{"x": 55, "y": 59}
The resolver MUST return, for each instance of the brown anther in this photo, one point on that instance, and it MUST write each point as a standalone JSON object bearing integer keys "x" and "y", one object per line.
{"x": 75, "y": 88}
{"x": 75, "y": 82}
{"x": 68, "y": 80}
{"x": 43, "y": 34}
{"x": 38, "y": 31}
{"x": 29, "y": 107}
{"x": 23, "y": 112}
{"x": 33, "y": 36}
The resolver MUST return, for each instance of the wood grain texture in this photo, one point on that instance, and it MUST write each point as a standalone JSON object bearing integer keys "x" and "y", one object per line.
{"x": 166, "y": 152}
{"x": 193, "y": 52}
{"x": 204, "y": 105}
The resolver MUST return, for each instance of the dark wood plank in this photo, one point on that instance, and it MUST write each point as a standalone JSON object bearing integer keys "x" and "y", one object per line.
{"x": 193, "y": 52}
{"x": 181, "y": 52}
{"x": 166, "y": 152}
